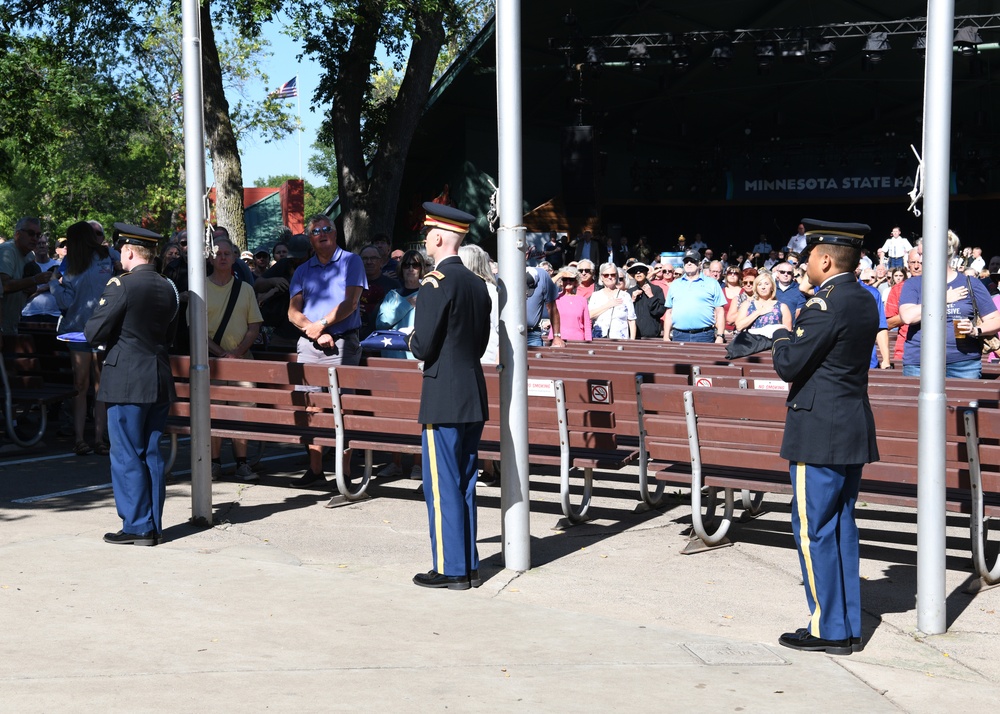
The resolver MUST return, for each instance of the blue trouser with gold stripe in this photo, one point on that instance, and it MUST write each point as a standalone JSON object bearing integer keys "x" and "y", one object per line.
{"x": 449, "y": 473}
{"x": 137, "y": 466}
{"x": 827, "y": 538}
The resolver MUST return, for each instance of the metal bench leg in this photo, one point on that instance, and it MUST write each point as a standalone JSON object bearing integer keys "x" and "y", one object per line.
{"x": 655, "y": 498}
{"x": 577, "y": 515}
{"x": 171, "y": 457}
{"x": 716, "y": 539}
{"x": 18, "y": 418}
{"x": 573, "y": 516}
{"x": 652, "y": 498}
{"x": 347, "y": 494}
{"x": 977, "y": 520}
{"x": 752, "y": 502}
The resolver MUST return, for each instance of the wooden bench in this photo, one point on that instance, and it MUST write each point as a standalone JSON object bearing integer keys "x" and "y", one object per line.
{"x": 29, "y": 390}
{"x": 375, "y": 409}
{"x": 618, "y": 382}
{"x": 274, "y": 410}
{"x": 730, "y": 439}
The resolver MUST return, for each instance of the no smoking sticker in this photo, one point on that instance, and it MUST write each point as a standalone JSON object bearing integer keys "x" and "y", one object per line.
{"x": 599, "y": 394}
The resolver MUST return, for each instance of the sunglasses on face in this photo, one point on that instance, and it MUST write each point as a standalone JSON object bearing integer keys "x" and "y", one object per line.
{"x": 323, "y": 229}
{"x": 748, "y": 282}
{"x": 586, "y": 270}
{"x": 415, "y": 266}
{"x": 783, "y": 272}
{"x": 610, "y": 275}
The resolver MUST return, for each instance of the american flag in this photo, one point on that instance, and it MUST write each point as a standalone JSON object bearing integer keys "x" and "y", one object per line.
{"x": 286, "y": 90}
{"x": 176, "y": 97}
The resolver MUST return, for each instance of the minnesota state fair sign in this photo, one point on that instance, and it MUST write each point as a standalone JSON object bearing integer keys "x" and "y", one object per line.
{"x": 743, "y": 185}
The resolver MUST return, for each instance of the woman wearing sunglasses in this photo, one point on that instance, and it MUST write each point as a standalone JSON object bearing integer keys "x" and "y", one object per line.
{"x": 746, "y": 281}
{"x": 611, "y": 308}
{"x": 731, "y": 290}
{"x": 574, "y": 312}
{"x": 397, "y": 311}
{"x": 397, "y": 308}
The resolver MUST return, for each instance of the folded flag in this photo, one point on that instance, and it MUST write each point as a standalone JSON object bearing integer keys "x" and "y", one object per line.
{"x": 385, "y": 340}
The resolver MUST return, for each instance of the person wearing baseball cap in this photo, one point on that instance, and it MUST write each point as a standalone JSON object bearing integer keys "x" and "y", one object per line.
{"x": 829, "y": 433}
{"x": 694, "y": 306}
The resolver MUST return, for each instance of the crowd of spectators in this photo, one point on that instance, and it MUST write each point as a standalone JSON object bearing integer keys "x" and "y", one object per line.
{"x": 309, "y": 294}
{"x": 757, "y": 290}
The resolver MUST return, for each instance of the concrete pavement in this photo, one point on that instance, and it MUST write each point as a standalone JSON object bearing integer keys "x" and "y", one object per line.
{"x": 286, "y": 605}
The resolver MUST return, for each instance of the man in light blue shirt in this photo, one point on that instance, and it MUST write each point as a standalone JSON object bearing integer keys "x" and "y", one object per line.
{"x": 694, "y": 306}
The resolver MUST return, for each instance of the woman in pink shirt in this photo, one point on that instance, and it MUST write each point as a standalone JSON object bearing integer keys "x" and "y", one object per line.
{"x": 574, "y": 310}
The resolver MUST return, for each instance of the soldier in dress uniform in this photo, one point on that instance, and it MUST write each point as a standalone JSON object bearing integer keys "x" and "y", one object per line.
{"x": 450, "y": 334}
{"x": 829, "y": 433}
{"x": 135, "y": 320}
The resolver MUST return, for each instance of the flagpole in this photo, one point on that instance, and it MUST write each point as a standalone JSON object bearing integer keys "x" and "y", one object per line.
{"x": 298, "y": 101}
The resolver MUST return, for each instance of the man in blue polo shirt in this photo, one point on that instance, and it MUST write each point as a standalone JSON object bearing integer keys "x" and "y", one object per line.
{"x": 324, "y": 296}
{"x": 694, "y": 306}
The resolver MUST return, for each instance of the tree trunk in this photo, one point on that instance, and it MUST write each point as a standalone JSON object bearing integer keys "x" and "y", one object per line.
{"x": 226, "y": 165}
{"x": 368, "y": 205}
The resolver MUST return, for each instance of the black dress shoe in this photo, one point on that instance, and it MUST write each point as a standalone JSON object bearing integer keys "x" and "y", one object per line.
{"x": 856, "y": 644}
{"x": 434, "y": 579}
{"x": 474, "y": 579}
{"x": 123, "y": 538}
{"x": 308, "y": 479}
{"x": 804, "y": 642}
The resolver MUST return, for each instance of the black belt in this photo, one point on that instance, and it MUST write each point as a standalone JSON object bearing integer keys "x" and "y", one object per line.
{"x": 695, "y": 332}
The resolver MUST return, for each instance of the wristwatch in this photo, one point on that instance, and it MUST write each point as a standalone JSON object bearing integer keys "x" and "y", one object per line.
{"x": 557, "y": 334}
{"x": 324, "y": 322}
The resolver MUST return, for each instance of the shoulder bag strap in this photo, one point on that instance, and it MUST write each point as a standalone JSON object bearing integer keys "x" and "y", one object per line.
{"x": 234, "y": 294}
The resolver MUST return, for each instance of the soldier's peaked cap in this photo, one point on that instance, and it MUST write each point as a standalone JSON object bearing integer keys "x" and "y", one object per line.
{"x": 851, "y": 235}
{"x": 447, "y": 218}
{"x": 136, "y": 235}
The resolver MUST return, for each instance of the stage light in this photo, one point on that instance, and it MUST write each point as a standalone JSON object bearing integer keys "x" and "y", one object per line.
{"x": 638, "y": 56}
{"x": 765, "y": 54}
{"x": 967, "y": 39}
{"x": 681, "y": 57}
{"x": 722, "y": 53}
{"x": 822, "y": 51}
{"x": 876, "y": 45}
{"x": 794, "y": 49}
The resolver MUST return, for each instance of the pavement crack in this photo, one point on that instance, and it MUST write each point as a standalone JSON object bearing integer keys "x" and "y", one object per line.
{"x": 507, "y": 584}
